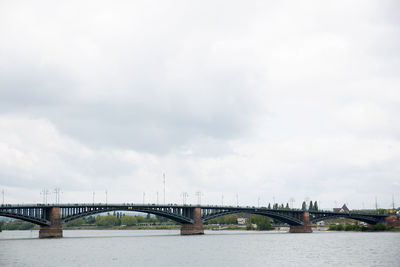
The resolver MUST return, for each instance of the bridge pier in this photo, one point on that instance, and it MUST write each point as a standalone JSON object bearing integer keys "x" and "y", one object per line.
{"x": 306, "y": 228}
{"x": 392, "y": 221}
{"x": 54, "y": 230}
{"x": 197, "y": 227}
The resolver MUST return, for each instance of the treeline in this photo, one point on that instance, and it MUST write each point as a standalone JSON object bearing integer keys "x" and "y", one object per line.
{"x": 304, "y": 206}
{"x": 16, "y": 225}
{"x": 276, "y": 206}
{"x": 116, "y": 219}
{"x": 227, "y": 219}
{"x": 262, "y": 222}
{"x": 357, "y": 227}
{"x": 310, "y": 206}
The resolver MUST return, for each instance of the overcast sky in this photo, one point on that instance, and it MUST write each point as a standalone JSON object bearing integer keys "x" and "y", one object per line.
{"x": 264, "y": 100}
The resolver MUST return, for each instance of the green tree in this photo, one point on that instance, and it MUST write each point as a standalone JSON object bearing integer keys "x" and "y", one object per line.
{"x": 269, "y": 206}
{"x": 249, "y": 226}
{"x": 262, "y": 222}
{"x": 17, "y": 225}
{"x": 140, "y": 219}
{"x": 108, "y": 220}
{"x": 128, "y": 220}
{"x": 90, "y": 219}
{"x": 161, "y": 219}
{"x": 287, "y": 206}
{"x": 304, "y": 206}
{"x": 310, "y": 206}
{"x": 379, "y": 227}
{"x": 228, "y": 219}
{"x": 315, "y": 205}
{"x": 77, "y": 222}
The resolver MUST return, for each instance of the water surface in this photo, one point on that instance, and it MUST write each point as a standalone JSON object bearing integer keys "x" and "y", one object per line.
{"x": 215, "y": 248}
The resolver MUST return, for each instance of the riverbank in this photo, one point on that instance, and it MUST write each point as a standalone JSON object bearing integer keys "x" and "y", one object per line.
{"x": 149, "y": 227}
{"x": 233, "y": 227}
{"x": 379, "y": 227}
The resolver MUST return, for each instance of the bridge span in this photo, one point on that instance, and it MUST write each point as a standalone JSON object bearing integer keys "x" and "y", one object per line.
{"x": 51, "y": 217}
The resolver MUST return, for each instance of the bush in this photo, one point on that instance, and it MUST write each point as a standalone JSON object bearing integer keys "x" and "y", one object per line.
{"x": 128, "y": 220}
{"x": 338, "y": 227}
{"x": 17, "y": 225}
{"x": 228, "y": 219}
{"x": 108, "y": 220}
{"x": 263, "y": 222}
{"x": 77, "y": 222}
{"x": 348, "y": 227}
{"x": 379, "y": 227}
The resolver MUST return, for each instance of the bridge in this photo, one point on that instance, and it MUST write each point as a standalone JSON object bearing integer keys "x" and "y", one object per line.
{"x": 51, "y": 217}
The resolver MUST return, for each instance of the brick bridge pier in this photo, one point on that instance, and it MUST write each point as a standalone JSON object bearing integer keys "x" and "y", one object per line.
{"x": 306, "y": 228}
{"x": 197, "y": 227}
{"x": 392, "y": 221}
{"x": 54, "y": 230}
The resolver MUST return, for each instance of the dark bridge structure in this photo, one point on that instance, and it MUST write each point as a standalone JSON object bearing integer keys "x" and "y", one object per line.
{"x": 52, "y": 217}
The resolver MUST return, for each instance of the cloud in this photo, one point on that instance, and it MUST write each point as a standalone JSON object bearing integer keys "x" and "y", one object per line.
{"x": 149, "y": 91}
{"x": 272, "y": 99}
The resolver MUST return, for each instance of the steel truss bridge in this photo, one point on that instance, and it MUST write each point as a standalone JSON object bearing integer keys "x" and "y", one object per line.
{"x": 40, "y": 214}
{"x": 51, "y": 217}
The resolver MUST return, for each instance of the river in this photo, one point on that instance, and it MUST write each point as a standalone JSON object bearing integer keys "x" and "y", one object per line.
{"x": 215, "y": 248}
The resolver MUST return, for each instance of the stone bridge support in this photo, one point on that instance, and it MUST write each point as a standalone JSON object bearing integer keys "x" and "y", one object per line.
{"x": 306, "y": 228}
{"x": 392, "y": 221}
{"x": 197, "y": 227}
{"x": 55, "y": 229}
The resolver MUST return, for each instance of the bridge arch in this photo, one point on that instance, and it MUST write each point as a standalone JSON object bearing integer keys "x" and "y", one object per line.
{"x": 358, "y": 217}
{"x": 169, "y": 215}
{"x": 34, "y": 220}
{"x": 283, "y": 217}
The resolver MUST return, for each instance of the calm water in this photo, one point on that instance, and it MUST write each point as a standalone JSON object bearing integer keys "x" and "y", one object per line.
{"x": 222, "y": 248}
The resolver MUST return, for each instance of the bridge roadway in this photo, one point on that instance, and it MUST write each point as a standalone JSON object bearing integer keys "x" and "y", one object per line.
{"x": 51, "y": 217}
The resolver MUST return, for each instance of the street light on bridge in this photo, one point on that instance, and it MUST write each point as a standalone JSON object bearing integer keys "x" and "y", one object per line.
{"x": 44, "y": 193}
{"x": 184, "y": 197}
{"x": 57, "y": 191}
{"x": 199, "y": 194}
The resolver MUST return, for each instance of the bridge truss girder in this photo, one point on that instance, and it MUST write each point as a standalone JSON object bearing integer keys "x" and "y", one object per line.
{"x": 36, "y": 215}
{"x": 40, "y": 214}
{"x": 177, "y": 214}
{"x": 370, "y": 219}
{"x": 286, "y": 216}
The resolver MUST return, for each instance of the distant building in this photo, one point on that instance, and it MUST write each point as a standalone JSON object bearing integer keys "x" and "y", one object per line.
{"x": 343, "y": 209}
{"x": 242, "y": 220}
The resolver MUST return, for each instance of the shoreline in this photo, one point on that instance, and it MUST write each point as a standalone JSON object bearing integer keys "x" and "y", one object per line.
{"x": 212, "y": 228}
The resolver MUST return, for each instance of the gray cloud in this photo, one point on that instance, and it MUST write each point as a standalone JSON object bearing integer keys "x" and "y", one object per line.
{"x": 286, "y": 100}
